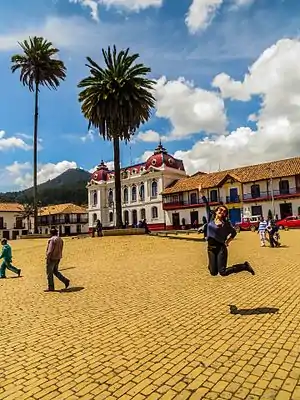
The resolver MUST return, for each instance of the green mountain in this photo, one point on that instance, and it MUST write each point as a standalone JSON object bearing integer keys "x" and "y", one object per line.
{"x": 68, "y": 187}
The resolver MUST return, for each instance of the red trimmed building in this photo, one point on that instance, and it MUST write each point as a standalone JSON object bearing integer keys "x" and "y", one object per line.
{"x": 142, "y": 187}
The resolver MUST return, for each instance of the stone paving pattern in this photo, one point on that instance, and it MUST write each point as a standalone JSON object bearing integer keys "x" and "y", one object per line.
{"x": 151, "y": 323}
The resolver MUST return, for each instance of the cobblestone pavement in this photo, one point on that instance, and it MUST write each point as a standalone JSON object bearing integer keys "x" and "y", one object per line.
{"x": 151, "y": 323}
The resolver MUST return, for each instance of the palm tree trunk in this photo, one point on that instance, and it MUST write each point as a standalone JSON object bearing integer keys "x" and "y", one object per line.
{"x": 35, "y": 142}
{"x": 118, "y": 200}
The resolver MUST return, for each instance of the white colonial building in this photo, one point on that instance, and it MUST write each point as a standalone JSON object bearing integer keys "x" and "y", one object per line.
{"x": 12, "y": 221}
{"x": 142, "y": 187}
{"x": 254, "y": 190}
{"x": 160, "y": 191}
{"x": 69, "y": 219}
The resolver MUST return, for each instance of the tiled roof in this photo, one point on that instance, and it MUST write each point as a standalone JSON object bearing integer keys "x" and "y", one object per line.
{"x": 251, "y": 173}
{"x": 11, "y": 207}
{"x": 67, "y": 208}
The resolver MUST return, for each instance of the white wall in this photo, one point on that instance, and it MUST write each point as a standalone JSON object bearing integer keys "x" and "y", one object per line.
{"x": 102, "y": 208}
{"x": 264, "y": 184}
{"x": 9, "y": 221}
{"x": 267, "y": 205}
{"x": 73, "y": 228}
{"x": 186, "y": 214}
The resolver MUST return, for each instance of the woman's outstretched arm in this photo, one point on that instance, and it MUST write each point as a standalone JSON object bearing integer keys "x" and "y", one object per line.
{"x": 207, "y": 207}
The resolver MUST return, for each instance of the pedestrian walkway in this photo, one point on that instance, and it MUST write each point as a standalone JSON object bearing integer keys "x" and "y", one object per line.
{"x": 144, "y": 320}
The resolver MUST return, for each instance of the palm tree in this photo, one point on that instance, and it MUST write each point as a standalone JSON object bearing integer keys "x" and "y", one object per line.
{"x": 38, "y": 67}
{"x": 116, "y": 100}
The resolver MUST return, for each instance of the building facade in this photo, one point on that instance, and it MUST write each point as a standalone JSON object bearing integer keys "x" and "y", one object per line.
{"x": 248, "y": 191}
{"x": 69, "y": 219}
{"x": 142, "y": 187}
{"x": 12, "y": 221}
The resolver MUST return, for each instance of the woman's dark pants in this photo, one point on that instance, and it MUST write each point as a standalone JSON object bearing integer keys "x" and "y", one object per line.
{"x": 217, "y": 259}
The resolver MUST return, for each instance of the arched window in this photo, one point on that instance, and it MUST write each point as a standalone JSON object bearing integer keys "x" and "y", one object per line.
{"x": 110, "y": 197}
{"x": 125, "y": 194}
{"x": 133, "y": 193}
{"x": 95, "y": 198}
{"x": 154, "y": 212}
{"x": 126, "y": 217}
{"x": 143, "y": 213}
{"x": 111, "y": 217}
{"x": 142, "y": 192}
{"x": 154, "y": 189}
{"x": 94, "y": 217}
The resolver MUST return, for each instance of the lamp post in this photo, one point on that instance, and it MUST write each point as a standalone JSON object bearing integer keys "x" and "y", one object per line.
{"x": 162, "y": 201}
{"x": 272, "y": 192}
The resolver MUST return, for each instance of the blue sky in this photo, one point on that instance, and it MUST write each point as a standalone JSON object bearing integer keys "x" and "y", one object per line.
{"x": 201, "y": 119}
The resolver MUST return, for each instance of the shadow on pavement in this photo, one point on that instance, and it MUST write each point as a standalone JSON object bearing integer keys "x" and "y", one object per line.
{"x": 71, "y": 289}
{"x": 14, "y": 277}
{"x": 252, "y": 311}
{"x": 181, "y": 238}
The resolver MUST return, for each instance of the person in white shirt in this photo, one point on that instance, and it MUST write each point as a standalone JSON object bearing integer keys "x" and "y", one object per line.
{"x": 262, "y": 227}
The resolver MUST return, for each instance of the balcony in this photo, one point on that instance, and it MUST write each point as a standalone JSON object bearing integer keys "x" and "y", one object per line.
{"x": 170, "y": 204}
{"x": 278, "y": 194}
{"x": 63, "y": 221}
{"x": 50, "y": 223}
{"x": 3, "y": 225}
{"x": 83, "y": 221}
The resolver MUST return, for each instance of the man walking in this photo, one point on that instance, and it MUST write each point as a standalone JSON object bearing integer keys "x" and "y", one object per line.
{"x": 7, "y": 259}
{"x": 53, "y": 256}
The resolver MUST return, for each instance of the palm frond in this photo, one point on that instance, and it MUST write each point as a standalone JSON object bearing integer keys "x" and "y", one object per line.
{"x": 118, "y": 98}
{"x": 38, "y": 64}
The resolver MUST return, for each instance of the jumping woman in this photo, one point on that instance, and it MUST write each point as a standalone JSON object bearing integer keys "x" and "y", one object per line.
{"x": 220, "y": 233}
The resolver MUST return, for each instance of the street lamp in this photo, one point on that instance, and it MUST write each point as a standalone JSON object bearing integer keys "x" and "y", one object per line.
{"x": 272, "y": 192}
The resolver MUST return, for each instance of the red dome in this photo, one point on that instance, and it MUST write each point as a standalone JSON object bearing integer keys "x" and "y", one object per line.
{"x": 161, "y": 157}
{"x": 101, "y": 173}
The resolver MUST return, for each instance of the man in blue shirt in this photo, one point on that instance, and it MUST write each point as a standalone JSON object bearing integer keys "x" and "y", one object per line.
{"x": 7, "y": 259}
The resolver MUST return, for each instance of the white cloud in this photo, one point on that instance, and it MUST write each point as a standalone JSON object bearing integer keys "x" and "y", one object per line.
{"x": 202, "y": 12}
{"x": 132, "y": 5}
{"x": 189, "y": 109}
{"x": 109, "y": 164}
{"x": 90, "y": 136}
{"x": 91, "y": 4}
{"x": 149, "y": 136}
{"x": 12, "y": 142}
{"x": 73, "y": 33}
{"x": 20, "y": 174}
{"x": 242, "y": 3}
{"x": 17, "y": 168}
{"x": 144, "y": 157}
{"x": 275, "y": 77}
{"x": 129, "y": 5}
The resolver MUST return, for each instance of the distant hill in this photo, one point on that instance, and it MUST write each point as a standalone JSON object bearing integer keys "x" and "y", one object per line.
{"x": 68, "y": 187}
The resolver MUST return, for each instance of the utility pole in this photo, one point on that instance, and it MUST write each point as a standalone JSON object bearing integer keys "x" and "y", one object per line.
{"x": 272, "y": 193}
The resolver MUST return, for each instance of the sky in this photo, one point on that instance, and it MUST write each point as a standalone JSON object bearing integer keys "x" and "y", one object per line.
{"x": 227, "y": 82}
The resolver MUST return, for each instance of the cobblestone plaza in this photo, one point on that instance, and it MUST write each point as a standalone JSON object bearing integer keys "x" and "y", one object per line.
{"x": 144, "y": 320}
